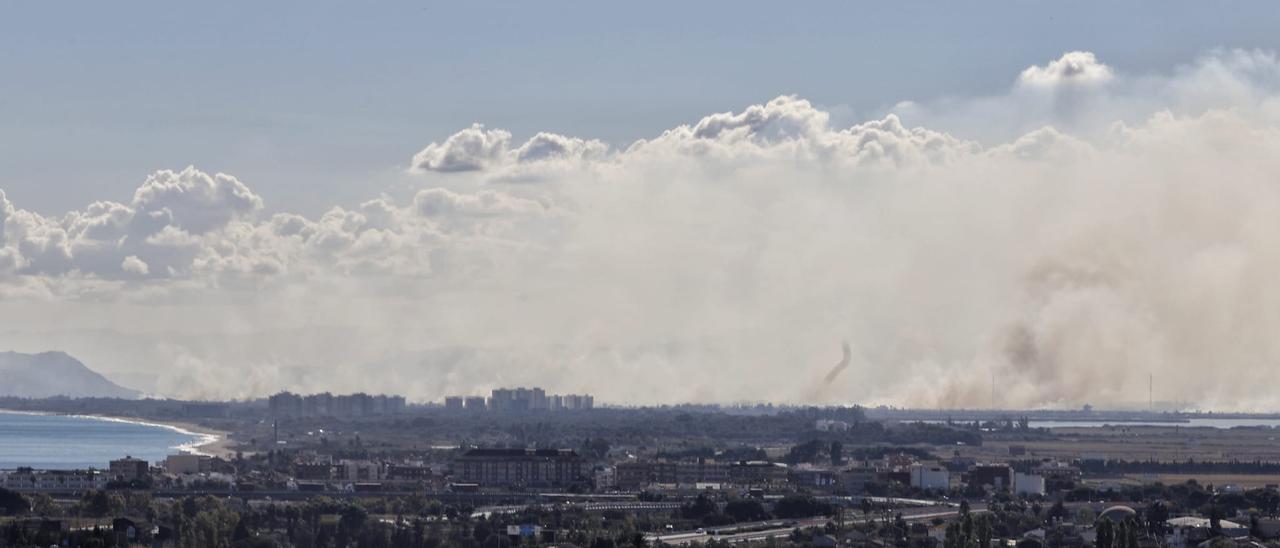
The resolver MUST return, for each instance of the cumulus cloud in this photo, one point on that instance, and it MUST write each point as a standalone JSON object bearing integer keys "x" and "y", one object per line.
{"x": 791, "y": 128}
{"x": 133, "y": 265}
{"x": 1073, "y": 68}
{"x": 478, "y": 149}
{"x": 471, "y": 149}
{"x": 550, "y": 147}
{"x": 195, "y": 201}
{"x": 1071, "y": 235}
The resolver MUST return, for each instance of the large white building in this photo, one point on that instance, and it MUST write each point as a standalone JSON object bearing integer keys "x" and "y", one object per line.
{"x": 1028, "y": 484}
{"x": 925, "y": 476}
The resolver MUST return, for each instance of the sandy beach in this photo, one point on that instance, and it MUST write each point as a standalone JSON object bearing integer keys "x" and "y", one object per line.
{"x": 214, "y": 443}
{"x": 210, "y": 442}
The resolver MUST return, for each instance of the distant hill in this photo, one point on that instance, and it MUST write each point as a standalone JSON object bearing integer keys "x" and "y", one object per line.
{"x": 49, "y": 374}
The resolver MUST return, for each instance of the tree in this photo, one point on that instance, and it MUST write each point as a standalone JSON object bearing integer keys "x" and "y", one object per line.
{"x": 12, "y": 503}
{"x": 1085, "y": 515}
{"x": 43, "y": 505}
{"x": 796, "y": 506}
{"x": 353, "y": 518}
{"x": 983, "y": 531}
{"x": 1058, "y": 511}
{"x": 596, "y": 447}
{"x": 1157, "y": 516}
{"x": 1106, "y": 534}
{"x": 745, "y": 510}
{"x": 241, "y": 533}
{"x": 95, "y": 503}
{"x": 1130, "y": 533}
{"x": 700, "y": 508}
{"x": 954, "y": 537}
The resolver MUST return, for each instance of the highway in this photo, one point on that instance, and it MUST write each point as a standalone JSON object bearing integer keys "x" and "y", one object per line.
{"x": 763, "y": 530}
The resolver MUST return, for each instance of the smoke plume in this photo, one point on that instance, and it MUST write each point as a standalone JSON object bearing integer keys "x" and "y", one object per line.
{"x": 1070, "y": 235}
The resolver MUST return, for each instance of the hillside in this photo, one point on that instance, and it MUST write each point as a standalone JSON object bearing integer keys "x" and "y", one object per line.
{"x": 49, "y": 374}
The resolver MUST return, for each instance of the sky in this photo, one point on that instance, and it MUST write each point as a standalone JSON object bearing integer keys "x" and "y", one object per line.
{"x": 232, "y": 199}
{"x": 315, "y": 102}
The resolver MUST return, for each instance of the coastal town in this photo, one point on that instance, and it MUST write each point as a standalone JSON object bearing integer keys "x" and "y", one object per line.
{"x": 708, "y": 274}
{"x": 521, "y": 466}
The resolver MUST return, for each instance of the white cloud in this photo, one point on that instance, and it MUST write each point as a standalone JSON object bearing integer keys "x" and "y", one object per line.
{"x": 1073, "y": 68}
{"x": 195, "y": 201}
{"x": 471, "y": 149}
{"x": 549, "y": 147}
{"x": 6, "y": 211}
{"x": 1119, "y": 225}
{"x": 133, "y": 265}
{"x": 478, "y": 149}
{"x": 784, "y": 118}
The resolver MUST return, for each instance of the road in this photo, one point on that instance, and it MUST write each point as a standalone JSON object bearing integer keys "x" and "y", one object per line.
{"x": 764, "y": 530}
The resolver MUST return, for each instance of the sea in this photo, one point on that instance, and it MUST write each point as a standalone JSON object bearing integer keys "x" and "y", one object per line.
{"x": 64, "y": 442}
{"x": 1194, "y": 422}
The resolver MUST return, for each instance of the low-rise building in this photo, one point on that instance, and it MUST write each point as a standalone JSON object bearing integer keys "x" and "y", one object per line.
{"x": 520, "y": 467}
{"x": 633, "y": 474}
{"x": 828, "y": 425}
{"x": 757, "y": 472}
{"x": 359, "y": 470}
{"x": 856, "y": 479}
{"x": 606, "y": 478}
{"x": 996, "y": 476}
{"x": 29, "y": 480}
{"x": 129, "y": 469}
{"x": 188, "y": 464}
{"x": 318, "y": 471}
{"x": 1055, "y": 471}
{"x": 407, "y": 472}
{"x": 1191, "y": 531}
{"x": 701, "y": 471}
{"x": 812, "y": 477}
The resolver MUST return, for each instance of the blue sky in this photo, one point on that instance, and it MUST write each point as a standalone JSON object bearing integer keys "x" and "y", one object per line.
{"x": 322, "y": 103}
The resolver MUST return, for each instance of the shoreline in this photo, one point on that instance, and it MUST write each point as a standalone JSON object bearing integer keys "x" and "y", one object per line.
{"x": 210, "y": 442}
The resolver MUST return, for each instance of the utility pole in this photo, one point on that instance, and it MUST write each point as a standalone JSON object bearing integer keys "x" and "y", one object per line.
{"x": 1150, "y": 397}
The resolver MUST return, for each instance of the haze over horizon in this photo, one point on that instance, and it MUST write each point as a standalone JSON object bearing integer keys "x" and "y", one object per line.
{"x": 1069, "y": 227}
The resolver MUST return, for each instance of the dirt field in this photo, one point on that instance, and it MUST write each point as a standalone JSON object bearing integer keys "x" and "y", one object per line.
{"x": 1165, "y": 443}
{"x": 1244, "y": 481}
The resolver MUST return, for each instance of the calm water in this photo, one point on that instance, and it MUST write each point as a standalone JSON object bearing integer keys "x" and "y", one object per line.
{"x": 1193, "y": 423}
{"x": 64, "y": 442}
{"x": 1188, "y": 423}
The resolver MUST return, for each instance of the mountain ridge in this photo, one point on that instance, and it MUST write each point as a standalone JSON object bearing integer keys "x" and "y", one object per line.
{"x": 52, "y": 374}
